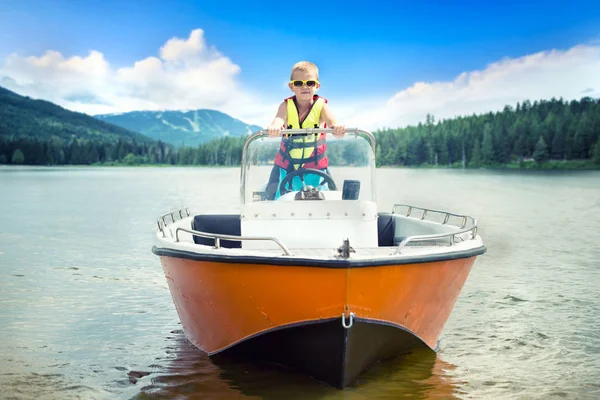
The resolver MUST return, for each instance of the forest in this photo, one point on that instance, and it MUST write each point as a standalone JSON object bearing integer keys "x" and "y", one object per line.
{"x": 544, "y": 134}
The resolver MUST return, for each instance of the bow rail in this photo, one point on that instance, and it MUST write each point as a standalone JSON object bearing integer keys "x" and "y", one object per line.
{"x": 182, "y": 213}
{"x": 468, "y": 225}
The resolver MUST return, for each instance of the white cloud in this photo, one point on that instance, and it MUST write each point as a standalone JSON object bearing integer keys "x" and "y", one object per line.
{"x": 570, "y": 74}
{"x": 188, "y": 74}
{"x": 178, "y": 50}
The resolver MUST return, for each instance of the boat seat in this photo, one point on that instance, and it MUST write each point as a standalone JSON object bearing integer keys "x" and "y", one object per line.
{"x": 224, "y": 224}
{"x": 386, "y": 230}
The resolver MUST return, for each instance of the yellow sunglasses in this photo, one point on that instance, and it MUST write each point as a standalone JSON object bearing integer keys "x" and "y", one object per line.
{"x": 310, "y": 83}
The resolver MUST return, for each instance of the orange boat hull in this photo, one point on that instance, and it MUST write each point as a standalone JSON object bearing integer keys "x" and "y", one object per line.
{"x": 268, "y": 309}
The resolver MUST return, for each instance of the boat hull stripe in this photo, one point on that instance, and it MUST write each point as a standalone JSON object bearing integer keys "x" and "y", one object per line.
{"x": 318, "y": 263}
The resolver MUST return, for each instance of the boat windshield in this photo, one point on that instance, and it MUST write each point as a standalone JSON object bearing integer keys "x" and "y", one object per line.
{"x": 349, "y": 175}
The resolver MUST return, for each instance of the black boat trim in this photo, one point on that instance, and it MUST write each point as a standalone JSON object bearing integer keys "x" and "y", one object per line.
{"x": 320, "y": 263}
{"x": 277, "y": 328}
{"x": 321, "y": 321}
{"x": 393, "y": 325}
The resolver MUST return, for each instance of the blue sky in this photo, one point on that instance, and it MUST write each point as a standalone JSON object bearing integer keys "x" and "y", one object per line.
{"x": 367, "y": 52}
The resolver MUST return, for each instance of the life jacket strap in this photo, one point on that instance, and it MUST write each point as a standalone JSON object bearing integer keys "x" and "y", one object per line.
{"x": 291, "y": 144}
{"x": 292, "y": 162}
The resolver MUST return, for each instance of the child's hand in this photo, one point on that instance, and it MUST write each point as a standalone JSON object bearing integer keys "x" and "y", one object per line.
{"x": 339, "y": 130}
{"x": 274, "y": 129}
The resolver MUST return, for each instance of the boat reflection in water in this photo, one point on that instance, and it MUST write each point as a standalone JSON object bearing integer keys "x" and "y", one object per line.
{"x": 317, "y": 280}
{"x": 189, "y": 373}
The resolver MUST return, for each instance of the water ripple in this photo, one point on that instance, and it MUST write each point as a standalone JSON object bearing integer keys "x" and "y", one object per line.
{"x": 85, "y": 309}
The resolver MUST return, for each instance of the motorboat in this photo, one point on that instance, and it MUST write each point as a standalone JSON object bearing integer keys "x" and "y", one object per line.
{"x": 317, "y": 279}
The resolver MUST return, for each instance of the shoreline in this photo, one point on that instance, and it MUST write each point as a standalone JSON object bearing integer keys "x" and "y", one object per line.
{"x": 552, "y": 165}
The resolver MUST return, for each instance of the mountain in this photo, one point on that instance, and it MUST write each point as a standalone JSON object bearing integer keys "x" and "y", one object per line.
{"x": 23, "y": 117}
{"x": 181, "y": 128}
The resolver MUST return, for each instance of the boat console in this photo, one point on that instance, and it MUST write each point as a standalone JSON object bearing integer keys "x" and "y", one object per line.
{"x": 341, "y": 207}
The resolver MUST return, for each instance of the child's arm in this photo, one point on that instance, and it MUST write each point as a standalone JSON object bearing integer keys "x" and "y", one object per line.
{"x": 328, "y": 117}
{"x": 278, "y": 122}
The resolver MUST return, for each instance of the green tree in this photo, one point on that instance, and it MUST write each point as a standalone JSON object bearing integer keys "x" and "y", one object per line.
{"x": 559, "y": 141}
{"x": 18, "y": 157}
{"x": 487, "y": 146}
{"x": 583, "y": 137}
{"x": 443, "y": 155}
{"x": 476, "y": 157}
{"x": 596, "y": 158}
{"x": 400, "y": 156}
{"x": 501, "y": 141}
{"x": 129, "y": 159}
{"x": 378, "y": 155}
{"x": 540, "y": 154}
{"x": 429, "y": 148}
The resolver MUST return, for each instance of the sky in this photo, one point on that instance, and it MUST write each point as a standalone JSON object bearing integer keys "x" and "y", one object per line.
{"x": 381, "y": 64}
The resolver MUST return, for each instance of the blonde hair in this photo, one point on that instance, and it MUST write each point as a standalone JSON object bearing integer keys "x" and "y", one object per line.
{"x": 305, "y": 66}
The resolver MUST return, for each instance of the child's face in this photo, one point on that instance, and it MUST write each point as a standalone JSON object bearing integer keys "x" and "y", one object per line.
{"x": 304, "y": 92}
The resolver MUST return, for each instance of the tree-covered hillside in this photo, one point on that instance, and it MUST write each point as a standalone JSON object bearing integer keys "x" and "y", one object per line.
{"x": 553, "y": 133}
{"x": 182, "y": 128}
{"x": 548, "y": 133}
{"x": 23, "y": 117}
{"x": 545, "y": 130}
{"x": 38, "y": 132}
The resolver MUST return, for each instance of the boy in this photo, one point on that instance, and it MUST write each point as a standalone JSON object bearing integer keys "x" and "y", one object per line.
{"x": 303, "y": 110}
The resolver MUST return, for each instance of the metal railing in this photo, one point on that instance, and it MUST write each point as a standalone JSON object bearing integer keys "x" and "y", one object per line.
{"x": 162, "y": 222}
{"x": 468, "y": 224}
{"x": 218, "y": 237}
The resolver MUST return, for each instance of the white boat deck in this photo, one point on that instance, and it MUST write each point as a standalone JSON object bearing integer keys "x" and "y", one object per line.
{"x": 332, "y": 254}
{"x": 417, "y": 237}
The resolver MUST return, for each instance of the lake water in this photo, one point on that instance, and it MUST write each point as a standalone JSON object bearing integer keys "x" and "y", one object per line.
{"x": 85, "y": 310}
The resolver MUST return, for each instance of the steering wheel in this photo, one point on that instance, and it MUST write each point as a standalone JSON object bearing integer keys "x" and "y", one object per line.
{"x": 327, "y": 179}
